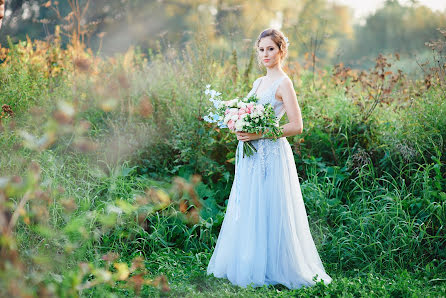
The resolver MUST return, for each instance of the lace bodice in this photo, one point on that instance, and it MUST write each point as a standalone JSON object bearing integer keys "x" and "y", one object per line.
{"x": 267, "y": 149}
{"x": 269, "y": 96}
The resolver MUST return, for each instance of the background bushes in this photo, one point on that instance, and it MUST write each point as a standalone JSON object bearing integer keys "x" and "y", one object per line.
{"x": 110, "y": 137}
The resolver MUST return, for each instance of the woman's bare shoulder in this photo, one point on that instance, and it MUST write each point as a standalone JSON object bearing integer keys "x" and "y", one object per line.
{"x": 286, "y": 83}
{"x": 285, "y": 87}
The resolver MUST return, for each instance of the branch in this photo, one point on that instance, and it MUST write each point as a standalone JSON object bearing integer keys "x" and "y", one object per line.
{"x": 2, "y": 11}
{"x": 16, "y": 214}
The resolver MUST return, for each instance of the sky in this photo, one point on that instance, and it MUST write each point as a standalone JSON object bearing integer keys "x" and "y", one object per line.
{"x": 363, "y": 8}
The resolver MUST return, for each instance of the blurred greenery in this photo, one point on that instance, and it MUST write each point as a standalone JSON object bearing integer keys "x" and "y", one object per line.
{"x": 321, "y": 27}
{"x": 393, "y": 29}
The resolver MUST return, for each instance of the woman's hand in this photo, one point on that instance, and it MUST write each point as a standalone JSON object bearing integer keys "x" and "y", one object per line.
{"x": 246, "y": 136}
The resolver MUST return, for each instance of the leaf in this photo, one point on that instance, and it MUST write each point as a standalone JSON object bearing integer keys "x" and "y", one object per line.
{"x": 126, "y": 171}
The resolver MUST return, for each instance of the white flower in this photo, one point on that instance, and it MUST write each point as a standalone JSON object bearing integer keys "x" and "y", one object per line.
{"x": 215, "y": 117}
{"x": 232, "y": 103}
{"x": 239, "y": 125}
{"x": 227, "y": 118}
{"x": 233, "y": 111}
{"x": 207, "y": 119}
{"x": 286, "y": 40}
{"x": 213, "y": 93}
{"x": 217, "y": 103}
{"x": 208, "y": 86}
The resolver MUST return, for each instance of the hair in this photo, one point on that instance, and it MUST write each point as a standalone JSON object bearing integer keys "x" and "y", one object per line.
{"x": 279, "y": 39}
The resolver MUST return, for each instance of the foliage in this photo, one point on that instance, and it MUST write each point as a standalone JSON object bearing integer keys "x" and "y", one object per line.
{"x": 128, "y": 184}
{"x": 392, "y": 28}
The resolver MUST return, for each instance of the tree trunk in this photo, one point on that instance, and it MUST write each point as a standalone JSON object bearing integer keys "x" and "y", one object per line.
{"x": 2, "y": 11}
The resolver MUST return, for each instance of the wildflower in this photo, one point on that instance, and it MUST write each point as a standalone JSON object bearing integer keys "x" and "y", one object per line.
{"x": 7, "y": 110}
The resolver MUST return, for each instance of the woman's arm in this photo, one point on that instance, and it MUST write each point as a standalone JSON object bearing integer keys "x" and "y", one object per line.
{"x": 295, "y": 125}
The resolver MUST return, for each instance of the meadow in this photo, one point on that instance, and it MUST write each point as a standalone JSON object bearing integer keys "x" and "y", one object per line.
{"x": 111, "y": 183}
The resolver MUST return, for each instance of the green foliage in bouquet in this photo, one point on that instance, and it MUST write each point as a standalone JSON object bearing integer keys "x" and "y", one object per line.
{"x": 244, "y": 114}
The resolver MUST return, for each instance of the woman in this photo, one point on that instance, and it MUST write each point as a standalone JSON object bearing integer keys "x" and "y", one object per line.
{"x": 265, "y": 238}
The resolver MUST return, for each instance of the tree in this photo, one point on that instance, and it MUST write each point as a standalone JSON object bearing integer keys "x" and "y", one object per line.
{"x": 393, "y": 28}
{"x": 2, "y": 11}
{"x": 226, "y": 24}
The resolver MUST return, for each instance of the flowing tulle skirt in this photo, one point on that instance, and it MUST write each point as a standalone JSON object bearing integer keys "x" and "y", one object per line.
{"x": 265, "y": 238}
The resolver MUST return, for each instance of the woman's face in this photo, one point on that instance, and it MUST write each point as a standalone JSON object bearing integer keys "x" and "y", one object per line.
{"x": 268, "y": 52}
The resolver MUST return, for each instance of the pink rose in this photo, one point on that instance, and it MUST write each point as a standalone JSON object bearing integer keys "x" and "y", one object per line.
{"x": 241, "y": 111}
{"x": 231, "y": 124}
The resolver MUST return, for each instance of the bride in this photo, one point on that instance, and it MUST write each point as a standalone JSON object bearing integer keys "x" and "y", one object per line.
{"x": 265, "y": 238}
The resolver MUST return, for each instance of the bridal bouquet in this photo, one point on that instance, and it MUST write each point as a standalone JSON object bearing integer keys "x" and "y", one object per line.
{"x": 243, "y": 114}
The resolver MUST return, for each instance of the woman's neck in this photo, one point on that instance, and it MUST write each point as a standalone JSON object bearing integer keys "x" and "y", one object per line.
{"x": 275, "y": 71}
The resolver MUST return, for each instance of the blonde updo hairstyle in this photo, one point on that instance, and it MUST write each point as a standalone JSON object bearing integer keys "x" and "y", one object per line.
{"x": 279, "y": 39}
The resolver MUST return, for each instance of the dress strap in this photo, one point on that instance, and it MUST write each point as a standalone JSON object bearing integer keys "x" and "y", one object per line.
{"x": 258, "y": 82}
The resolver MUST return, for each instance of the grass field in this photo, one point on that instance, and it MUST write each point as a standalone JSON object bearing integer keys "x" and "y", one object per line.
{"x": 111, "y": 183}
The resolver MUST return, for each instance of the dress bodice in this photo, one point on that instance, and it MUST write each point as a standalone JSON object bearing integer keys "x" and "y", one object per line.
{"x": 269, "y": 96}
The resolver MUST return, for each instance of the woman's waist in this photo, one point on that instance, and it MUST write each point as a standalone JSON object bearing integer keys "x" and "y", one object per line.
{"x": 267, "y": 141}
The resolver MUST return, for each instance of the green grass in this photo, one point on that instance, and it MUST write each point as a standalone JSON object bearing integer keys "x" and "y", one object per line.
{"x": 374, "y": 190}
{"x": 187, "y": 277}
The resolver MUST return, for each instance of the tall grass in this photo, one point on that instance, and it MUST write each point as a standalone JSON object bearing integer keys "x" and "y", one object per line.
{"x": 128, "y": 186}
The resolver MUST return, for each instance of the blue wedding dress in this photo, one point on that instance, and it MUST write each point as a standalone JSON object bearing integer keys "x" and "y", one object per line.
{"x": 265, "y": 238}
